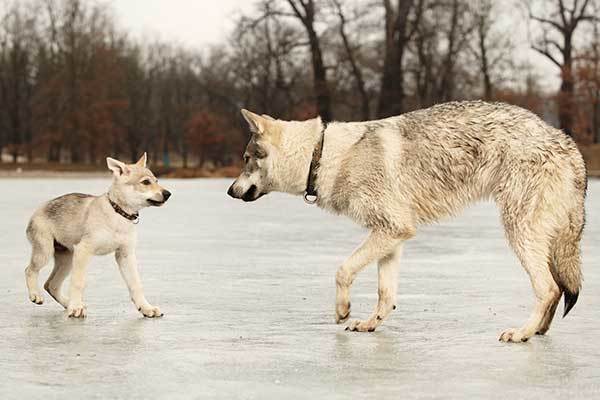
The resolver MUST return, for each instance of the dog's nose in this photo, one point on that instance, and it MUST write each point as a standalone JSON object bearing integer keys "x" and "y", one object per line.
{"x": 230, "y": 192}
{"x": 166, "y": 194}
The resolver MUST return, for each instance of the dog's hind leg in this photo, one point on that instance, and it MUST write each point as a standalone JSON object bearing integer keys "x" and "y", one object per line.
{"x": 532, "y": 247}
{"x": 547, "y": 320}
{"x": 63, "y": 262}
{"x": 41, "y": 250}
{"x": 546, "y": 292}
{"x": 388, "y": 268}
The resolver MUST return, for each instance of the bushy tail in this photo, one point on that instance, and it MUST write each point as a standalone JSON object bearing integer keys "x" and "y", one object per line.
{"x": 566, "y": 260}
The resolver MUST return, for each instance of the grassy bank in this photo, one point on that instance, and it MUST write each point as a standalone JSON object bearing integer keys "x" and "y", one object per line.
{"x": 591, "y": 154}
{"x": 78, "y": 170}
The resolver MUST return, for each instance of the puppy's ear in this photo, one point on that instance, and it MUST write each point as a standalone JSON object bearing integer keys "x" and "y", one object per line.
{"x": 256, "y": 123}
{"x": 142, "y": 161}
{"x": 117, "y": 167}
{"x": 266, "y": 116}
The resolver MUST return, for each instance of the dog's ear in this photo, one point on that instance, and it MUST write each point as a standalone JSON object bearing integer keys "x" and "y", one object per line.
{"x": 142, "y": 161}
{"x": 266, "y": 116}
{"x": 256, "y": 123}
{"x": 117, "y": 167}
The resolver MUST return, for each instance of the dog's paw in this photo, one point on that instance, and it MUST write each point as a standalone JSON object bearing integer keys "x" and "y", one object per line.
{"x": 513, "y": 335}
{"x": 362, "y": 326}
{"x": 36, "y": 298}
{"x": 342, "y": 312}
{"x": 77, "y": 310}
{"x": 150, "y": 311}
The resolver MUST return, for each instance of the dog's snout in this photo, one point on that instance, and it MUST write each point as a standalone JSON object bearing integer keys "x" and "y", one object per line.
{"x": 166, "y": 194}
{"x": 231, "y": 193}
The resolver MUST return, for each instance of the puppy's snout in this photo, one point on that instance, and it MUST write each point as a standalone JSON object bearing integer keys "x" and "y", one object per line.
{"x": 166, "y": 194}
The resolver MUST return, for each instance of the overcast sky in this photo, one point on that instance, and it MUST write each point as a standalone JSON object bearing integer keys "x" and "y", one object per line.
{"x": 193, "y": 23}
{"x": 199, "y": 23}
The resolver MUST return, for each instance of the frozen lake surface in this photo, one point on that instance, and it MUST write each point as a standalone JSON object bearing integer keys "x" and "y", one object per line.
{"x": 248, "y": 294}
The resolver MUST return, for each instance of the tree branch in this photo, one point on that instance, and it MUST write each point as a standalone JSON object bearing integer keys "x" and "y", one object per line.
{"x": 548, "y": 21}
{"x": 546, "y": 53}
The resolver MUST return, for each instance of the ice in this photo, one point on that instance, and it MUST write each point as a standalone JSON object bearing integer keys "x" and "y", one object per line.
{"x": 248, "y": 295}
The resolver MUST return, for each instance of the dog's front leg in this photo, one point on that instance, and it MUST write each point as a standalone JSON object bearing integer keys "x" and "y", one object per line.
{"x": 377, "y": 246}
{"x": 388, "y": 285}
{"x": 127, "y": 262}
{"x": 81, "y": 258}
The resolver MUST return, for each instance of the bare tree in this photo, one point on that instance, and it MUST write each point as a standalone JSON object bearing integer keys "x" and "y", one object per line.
{"x": 588, "y": 83}
{"x": 16, "y": 69}
{"x": 456, "y": 37}
{"x": 399, "y": 29}
{"x": 557, "y": 44}
{"x": 305, "y": 12}
{"x": 352, "y": 60}
{"x": 491, "y": 48}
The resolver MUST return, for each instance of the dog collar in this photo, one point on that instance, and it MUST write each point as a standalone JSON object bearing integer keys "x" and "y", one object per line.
{"x": 132, "y": 217}
{"x": 310, "y": 194}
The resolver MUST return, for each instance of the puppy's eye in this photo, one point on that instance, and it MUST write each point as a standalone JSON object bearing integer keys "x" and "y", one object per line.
{"x": 146, "y": 182}
{"x": 246, "y": 159}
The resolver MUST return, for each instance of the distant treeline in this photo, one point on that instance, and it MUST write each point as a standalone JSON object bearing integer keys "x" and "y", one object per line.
{"x": 75, "y": 87}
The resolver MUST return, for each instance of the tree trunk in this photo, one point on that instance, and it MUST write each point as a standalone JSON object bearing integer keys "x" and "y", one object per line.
{"x": 596, "y": 118}
{"x": 184, "y": 156}
{"x": 321, "y": 89}
{"x": 485, "y": 68}
{"x": 356, "y": 71}
{"x": 391, "y": 96}
{"x": 566, "y": 95}
{"x": 53, "y": 152}
{"x": 446, "y": 90}
{"x": 320, "y": 77}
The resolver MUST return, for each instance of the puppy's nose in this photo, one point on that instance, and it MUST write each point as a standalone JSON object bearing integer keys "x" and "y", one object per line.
{"x": 166, "y": 194}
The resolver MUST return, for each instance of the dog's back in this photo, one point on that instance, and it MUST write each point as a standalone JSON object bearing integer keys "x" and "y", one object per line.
{"x": 456, "y": 153}
{"x": 60, "y": 220}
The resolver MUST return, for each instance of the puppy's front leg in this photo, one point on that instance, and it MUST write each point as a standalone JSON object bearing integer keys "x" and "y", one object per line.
{"x": 81, "y": 258}
{"x": 127, "y": 262}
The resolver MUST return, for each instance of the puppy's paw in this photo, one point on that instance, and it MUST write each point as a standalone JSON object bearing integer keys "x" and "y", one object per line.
{"x": 362, "y": 326}
{"x": 513, "y": 335}
{"x": 342, "y": 312}
{"x": 77, "y": 310}
{"x": 36, "y": 298}
{"x": 149, "y": 311}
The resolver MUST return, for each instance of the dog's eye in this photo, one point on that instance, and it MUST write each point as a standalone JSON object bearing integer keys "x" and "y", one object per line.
{"x": 261, "y": 153}
{"x": 246, "y": 159}
{"x": 146, "y": 182}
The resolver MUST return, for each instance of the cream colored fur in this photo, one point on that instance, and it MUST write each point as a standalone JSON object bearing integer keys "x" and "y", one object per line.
{"x": 398, "y": 173}
{"x": 75, "y": 227}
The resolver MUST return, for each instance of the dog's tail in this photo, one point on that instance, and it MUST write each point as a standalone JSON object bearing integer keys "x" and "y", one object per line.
{"x": 566, "y": 258}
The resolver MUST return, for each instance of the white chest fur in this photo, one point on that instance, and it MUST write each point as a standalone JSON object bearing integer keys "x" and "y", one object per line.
{"x": 106, "y": 235}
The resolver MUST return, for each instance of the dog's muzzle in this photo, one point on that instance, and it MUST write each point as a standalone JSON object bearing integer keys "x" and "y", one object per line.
{"x": 251, "y": 194}
{"x": 157, "y": 203}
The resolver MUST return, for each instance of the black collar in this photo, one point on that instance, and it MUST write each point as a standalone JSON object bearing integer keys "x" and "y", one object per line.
{"x": 310, "y": 195}
{"x": 132, "y": 217}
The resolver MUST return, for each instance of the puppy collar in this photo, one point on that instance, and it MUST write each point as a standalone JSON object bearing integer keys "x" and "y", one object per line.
{"x": 310, "y": 194}
{"x": 135, "y": 217}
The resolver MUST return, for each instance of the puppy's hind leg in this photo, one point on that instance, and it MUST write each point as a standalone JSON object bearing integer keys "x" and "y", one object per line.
{"x": 63, "y": 262}
{"x": 41, "y": 250}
